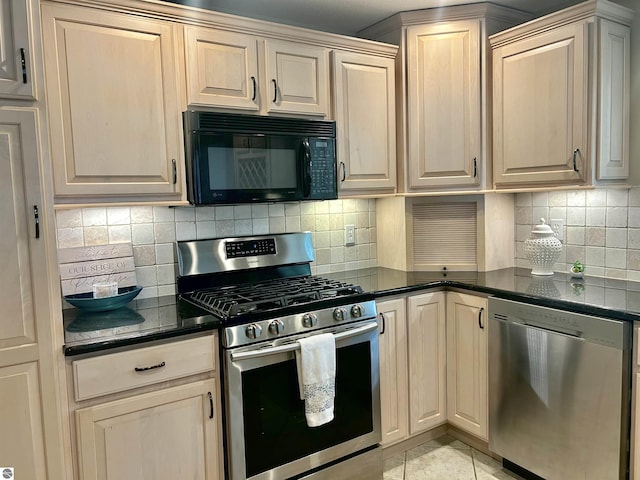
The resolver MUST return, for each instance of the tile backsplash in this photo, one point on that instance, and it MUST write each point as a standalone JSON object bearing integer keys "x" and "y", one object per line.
{"x": 602, "y": 228}
{"x": 153, "y": 231}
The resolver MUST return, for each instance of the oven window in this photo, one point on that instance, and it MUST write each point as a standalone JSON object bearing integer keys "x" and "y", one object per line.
{"x": 275, "y": 428}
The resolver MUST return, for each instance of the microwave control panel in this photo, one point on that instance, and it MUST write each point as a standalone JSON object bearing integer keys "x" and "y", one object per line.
{"x": 323, "y": 167}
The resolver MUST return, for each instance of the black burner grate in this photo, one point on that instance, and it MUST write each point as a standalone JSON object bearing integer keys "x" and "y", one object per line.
{"x": 229, "y": 301}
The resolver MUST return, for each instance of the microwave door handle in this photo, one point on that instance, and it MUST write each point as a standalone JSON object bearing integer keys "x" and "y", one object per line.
{"x": 306, "y": 168}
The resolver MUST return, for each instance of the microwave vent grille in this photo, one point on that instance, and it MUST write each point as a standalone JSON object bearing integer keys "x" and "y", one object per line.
{"x": 255, "y": 124}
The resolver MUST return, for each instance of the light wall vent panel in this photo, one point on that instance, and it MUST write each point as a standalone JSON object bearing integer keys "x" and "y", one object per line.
{"x": 445, "y": 235}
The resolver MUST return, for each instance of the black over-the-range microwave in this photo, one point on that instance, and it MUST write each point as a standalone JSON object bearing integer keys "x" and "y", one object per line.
{"x": 236, "y": 158}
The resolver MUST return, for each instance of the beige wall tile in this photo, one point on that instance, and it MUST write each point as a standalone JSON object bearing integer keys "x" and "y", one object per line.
{"x": 96, "y": 236}
{"x": 144, "y": 255}
{"x": 141, "y": 214}
{"x": 142, "y": 234}
{"x": 119, "y": 233}
{"x": 69, "y": 218}
{"x": 118, "y": 216}
{"x": 94, "y": 216}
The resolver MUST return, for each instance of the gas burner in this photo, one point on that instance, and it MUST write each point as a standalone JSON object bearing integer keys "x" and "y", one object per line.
{"x": 231, "y": 301}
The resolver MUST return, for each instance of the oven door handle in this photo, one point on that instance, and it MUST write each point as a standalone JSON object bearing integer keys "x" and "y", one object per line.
{"x": 289, "y": 347}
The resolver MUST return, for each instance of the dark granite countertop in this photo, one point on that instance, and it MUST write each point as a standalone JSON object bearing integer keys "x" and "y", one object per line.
{"x": 140, "y": 321}
{"x": 164, "y": 317}
{"x": 612, "y": 298}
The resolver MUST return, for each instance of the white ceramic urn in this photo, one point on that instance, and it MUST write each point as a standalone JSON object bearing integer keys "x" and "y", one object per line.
{"x": 542, "y": 249}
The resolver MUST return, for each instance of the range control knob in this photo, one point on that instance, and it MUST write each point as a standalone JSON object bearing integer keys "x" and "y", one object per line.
{"x": 309, "y": 320}
{"x": 357, "y": 311}
{"x": 339, "y": 314}
{"x": 276, "y": 327}
{"x": 253, "y": 331}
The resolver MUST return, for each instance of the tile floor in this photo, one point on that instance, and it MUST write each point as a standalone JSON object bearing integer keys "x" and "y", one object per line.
{"x": 444, "y": 458}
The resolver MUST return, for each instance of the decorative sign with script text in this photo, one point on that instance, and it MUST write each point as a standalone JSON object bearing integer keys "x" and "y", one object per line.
{"x": 81, "y": 267}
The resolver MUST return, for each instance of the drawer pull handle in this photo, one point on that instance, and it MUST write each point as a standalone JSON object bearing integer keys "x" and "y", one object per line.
{"x": 152, "y": 367}
{"x": 210, "y": 405}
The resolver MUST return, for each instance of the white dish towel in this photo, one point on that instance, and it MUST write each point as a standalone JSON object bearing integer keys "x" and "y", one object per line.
{"x": 316, "y": 362}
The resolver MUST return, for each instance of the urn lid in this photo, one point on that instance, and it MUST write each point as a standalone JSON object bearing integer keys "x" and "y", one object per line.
{"x": 542, "y": 229}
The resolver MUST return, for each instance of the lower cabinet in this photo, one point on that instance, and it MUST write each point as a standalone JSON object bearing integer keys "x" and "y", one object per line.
{"x": 412, "y": 365}
{"x": 167, "y": 434}
{"x": 433, "y": 364}
{"x": 634, "y": 468}
{"x": 156, "y": 415}
{"x": 426, "y": 325}
{"x": 394, "y": 386}
{"x": 467, "y": 368}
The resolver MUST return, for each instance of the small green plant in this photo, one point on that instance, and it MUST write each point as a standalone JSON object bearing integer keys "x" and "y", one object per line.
{"x": 577, "y": 267}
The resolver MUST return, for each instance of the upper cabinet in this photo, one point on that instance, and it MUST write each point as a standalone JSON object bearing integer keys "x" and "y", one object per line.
{"x": 560, "y": 98}
{"x": 242, "y": 71}
{"x": 364, "y": 106}
{"x": 297, "y": 78}
{"x": 445, "y": 143}
{"x": 113, "y": 105}
{"x": 120, "y": 74}
{"x": 16, "y": 54}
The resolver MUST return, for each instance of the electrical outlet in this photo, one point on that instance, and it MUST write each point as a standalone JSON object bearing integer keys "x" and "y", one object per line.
{"x": 349, "y": 235}
{"x": 557, "y": 225}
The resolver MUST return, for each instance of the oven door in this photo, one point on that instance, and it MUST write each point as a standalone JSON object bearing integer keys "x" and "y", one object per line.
{"x": 268, "y": 437}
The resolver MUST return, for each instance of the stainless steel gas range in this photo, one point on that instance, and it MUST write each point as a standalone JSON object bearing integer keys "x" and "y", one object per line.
{"x": 262, "y": 289}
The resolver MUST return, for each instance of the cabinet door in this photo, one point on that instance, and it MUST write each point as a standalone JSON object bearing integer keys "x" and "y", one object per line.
{"x": 613, "y": 94}
{"x": 21, "y": 444}
{"x": 24, "y": 291}
{"x": 113, "y": 104}
{"x": 394, "y": 387}
{"x": 427, "y": 361}
{"x": 16, "y": 65}
{"x": 297, "y": 78}
{"x": 163, "y": 435}
{"x": 444, "y": 137}
{"x": 540, "y": 110}
{"x": 222, "y": 68}
{"x": 467, "y": 375}
{"x": 364, "y": 107}
{"x": 20, "y": 245}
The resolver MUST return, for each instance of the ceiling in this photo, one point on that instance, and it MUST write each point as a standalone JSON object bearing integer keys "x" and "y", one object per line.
{"x": 348, "y": 16}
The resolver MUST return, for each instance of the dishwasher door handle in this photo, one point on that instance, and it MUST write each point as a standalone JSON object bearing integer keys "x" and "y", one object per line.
{"x": 572, "y": 334}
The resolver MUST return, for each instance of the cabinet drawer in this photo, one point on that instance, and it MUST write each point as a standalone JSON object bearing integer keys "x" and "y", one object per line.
{"x": 144, "y": 366}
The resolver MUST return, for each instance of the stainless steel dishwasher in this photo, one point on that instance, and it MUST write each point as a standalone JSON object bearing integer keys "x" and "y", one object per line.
{"x": 559, "y": 391}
